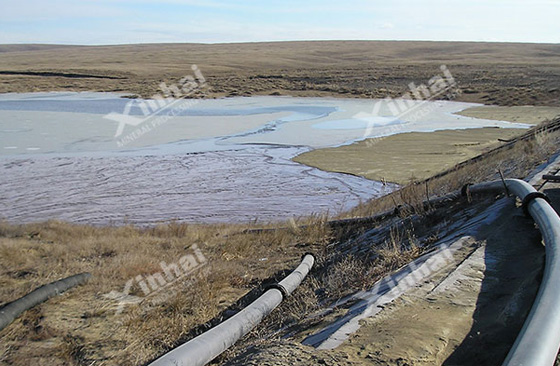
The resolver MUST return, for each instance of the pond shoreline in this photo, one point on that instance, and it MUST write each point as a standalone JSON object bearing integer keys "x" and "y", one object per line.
{"x": 236, "y": 166}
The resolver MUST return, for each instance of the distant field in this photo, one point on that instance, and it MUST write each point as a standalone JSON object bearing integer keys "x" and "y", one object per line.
{"x": 491, "y": 73}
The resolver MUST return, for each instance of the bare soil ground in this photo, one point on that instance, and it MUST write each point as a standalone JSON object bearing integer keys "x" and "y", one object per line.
{"x": 407, "y": 156}
{"x": 522, "y": 114}
{"x": 469, "y": 316}
{"x": 489, "y": 73}
{"x": 465, "y": 315}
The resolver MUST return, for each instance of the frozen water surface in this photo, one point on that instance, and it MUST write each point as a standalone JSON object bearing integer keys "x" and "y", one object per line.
{"x": 222, "y": 160}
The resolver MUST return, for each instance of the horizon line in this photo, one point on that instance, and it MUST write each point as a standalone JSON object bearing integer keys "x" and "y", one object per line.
{"x": 271, "y": 41}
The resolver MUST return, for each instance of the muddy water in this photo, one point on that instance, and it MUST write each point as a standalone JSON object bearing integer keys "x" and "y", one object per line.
{"x": 222, "y": 186}
{"x": 222, "y": 160}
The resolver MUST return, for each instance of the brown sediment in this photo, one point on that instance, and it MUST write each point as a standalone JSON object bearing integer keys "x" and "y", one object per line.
{"x": 400, "y": 158}
{"x": 521, "y": 114}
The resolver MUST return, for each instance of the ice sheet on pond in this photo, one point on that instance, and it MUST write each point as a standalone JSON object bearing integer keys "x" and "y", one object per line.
{"x": 194, "y": 160}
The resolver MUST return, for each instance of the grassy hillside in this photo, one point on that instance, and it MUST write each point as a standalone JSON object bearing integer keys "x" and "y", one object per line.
{"x": 492, "y": 73}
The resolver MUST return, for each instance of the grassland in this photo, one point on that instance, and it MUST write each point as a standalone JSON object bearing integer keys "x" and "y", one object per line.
{"x": 490, "y": 73}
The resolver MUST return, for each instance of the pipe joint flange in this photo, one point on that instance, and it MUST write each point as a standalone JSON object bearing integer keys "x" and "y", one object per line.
{"x": 280, "y": 288}
{"x": 465, "y": 189}
{"x": 530, "y": 197}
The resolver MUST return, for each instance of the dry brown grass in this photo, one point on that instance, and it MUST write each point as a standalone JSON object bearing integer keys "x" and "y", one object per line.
{"x": 80, "y": 327}
{"x": 491, "y": 73}
{"x": 335, "y": 275}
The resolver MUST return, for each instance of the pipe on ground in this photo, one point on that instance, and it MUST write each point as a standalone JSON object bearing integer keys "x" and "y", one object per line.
{"x": 207, "y": 346}
{"x": 539, "y": 339}
{"x": 10, "y": 311}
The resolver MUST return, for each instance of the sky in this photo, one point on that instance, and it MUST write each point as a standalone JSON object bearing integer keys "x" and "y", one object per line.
{"x": 96, "y": 22}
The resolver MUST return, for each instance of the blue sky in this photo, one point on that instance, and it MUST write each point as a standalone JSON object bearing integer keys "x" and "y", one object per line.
{"x": 215, "y": 21}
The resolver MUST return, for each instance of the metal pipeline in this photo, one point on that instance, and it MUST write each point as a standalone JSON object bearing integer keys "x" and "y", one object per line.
{"x": 207, "y": 346}
{"x": 10, "y": 311}
{"x": 539, "y": 339}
